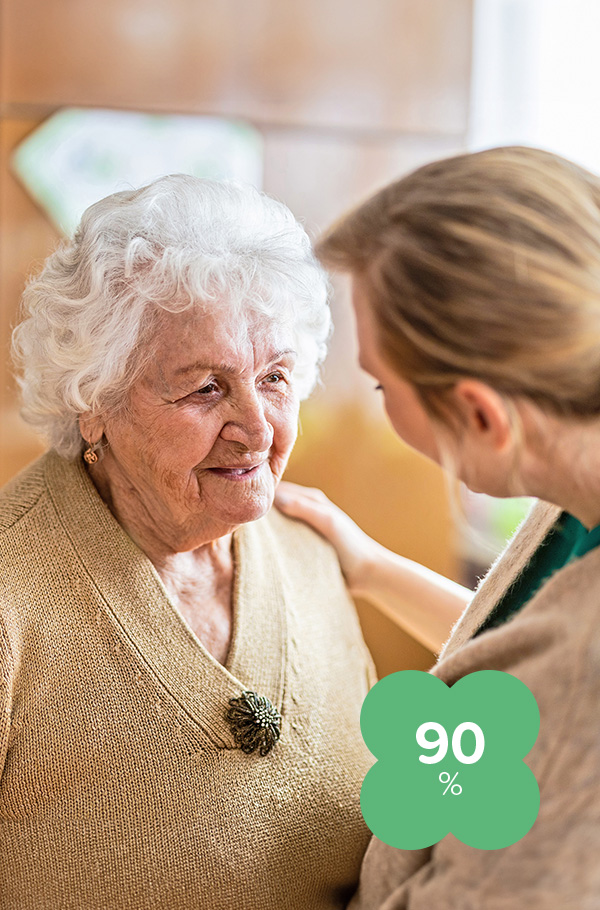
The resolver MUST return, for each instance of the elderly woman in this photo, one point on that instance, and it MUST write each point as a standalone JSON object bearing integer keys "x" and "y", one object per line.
{"x": 477, "y": 295}
{"x": 181, "y": 670}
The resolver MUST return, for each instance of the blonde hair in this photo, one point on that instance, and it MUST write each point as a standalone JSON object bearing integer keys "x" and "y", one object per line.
{"x": 485, "y": 265}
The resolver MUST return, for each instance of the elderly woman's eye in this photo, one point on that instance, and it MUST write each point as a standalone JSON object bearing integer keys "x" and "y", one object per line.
{"x": 208, "y": 388}
{"x": 379, "y": 388}
{"x": 274, "y": 378}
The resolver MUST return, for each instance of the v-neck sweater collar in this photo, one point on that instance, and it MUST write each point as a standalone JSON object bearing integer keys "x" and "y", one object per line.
{"x": 135, "y": 597}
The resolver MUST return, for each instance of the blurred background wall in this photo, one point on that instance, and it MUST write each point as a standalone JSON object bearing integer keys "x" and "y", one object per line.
{"x": 345, "y": 98}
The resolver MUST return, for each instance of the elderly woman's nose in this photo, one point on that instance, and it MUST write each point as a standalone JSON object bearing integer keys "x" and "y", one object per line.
{"x": 250, "y": 426}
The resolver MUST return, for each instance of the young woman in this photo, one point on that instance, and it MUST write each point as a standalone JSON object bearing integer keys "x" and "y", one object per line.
{"x": 476, "y": 287}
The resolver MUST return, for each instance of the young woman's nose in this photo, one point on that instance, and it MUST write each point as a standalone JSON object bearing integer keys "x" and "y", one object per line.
{"x": 249, "y": 425}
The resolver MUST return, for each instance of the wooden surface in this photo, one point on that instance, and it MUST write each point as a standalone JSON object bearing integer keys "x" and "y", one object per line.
{"x": 386, "y": 64}
{"x": 26, "y": 238}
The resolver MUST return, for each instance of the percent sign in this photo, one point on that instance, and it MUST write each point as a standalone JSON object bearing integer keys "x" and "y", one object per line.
{"x": 444, "y": 778}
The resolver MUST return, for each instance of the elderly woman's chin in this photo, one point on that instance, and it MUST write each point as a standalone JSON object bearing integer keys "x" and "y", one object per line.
{"x": 233, "y": 496}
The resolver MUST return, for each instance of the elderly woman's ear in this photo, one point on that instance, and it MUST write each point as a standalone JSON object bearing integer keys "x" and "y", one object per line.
{"x": 91, "y": 427}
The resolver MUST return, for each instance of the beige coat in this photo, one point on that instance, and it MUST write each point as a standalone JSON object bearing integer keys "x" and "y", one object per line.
{"x": 553, "y": 645}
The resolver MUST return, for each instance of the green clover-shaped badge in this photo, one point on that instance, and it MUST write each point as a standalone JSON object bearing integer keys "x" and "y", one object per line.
{"x": 450, "y": 759}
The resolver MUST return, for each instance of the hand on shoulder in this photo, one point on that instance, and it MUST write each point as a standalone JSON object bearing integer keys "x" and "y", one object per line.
{"x": 354, "y": 548}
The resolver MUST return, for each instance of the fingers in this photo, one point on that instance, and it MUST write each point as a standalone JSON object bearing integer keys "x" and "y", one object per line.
{"x": 288, "y": 493}
{"x": 309, "y": 504}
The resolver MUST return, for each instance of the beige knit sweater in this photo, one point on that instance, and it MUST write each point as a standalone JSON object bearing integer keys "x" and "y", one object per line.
{"x": 553, "y": 645}
{"x": 120, "y": 783}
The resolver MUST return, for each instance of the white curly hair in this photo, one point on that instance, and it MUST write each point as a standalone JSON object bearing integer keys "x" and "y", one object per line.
{"x": 176, "y": 243}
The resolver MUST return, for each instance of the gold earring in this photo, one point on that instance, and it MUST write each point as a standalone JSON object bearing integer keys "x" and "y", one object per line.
{"x": 89, "y": 456}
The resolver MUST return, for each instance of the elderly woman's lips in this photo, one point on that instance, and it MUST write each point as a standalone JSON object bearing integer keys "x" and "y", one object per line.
{"x": 236, "y": 473}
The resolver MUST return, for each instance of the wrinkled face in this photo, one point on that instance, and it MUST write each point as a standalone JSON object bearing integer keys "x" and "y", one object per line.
{"x": 207, "y": 430}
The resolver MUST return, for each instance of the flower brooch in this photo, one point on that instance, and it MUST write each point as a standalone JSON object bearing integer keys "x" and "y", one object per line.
{"x": 254, "y": 722}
